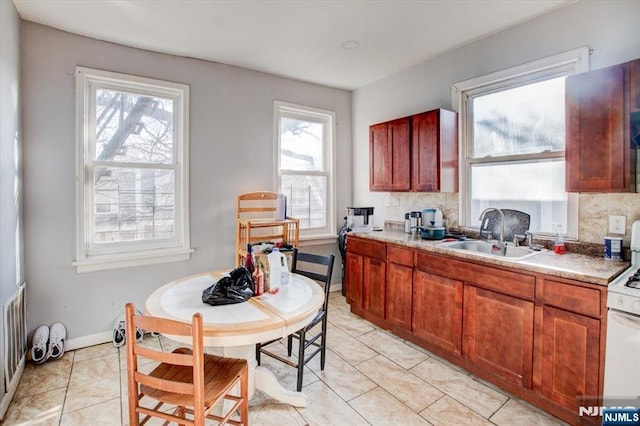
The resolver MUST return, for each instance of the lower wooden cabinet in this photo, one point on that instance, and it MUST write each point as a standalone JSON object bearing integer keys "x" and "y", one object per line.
{"x": 399, "y": 295}
{"x": 437, "y": 311}
{"x": 354, "y": 277}
{"x": 537, "y": 336}
{"x": 571, "y": 357}
{"x": 366, "y": 275}
{"x": 374, "y": 286}
{"x": 498, "y": 334}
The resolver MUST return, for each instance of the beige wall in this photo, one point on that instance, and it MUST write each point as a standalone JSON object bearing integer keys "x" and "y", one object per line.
{"x": 231, "y": 152}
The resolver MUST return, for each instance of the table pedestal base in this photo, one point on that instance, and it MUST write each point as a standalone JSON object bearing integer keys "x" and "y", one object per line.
{"x": 261, "y": 377}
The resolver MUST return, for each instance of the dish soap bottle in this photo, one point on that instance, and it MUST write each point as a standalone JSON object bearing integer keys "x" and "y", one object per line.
{"x": 558, "y": 247}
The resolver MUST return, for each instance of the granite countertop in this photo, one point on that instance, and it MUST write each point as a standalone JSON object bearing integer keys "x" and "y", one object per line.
{"x": 590, "y": 269}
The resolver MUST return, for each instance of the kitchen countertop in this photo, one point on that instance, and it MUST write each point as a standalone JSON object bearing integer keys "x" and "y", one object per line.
{"x": 590, "y": 269}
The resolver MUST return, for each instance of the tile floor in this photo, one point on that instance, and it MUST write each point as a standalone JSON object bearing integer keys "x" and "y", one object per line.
{"x": 371, "y": 378}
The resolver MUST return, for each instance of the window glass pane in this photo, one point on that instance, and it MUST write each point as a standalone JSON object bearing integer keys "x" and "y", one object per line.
{"x": 536, "y": 188}
{"x": 133, "y": 128}
{"x": 523, "y": 120}
{"x": 306, "y": 198}
{"x": 301, "y": 145}
{"x": 134, "y": 204}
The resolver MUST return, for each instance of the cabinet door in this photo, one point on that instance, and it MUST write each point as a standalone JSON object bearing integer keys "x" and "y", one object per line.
{"x": 389, "y": 156}
{"x": 374, "y": 286}
{"x": 437, "y": 311}
{"x": 434, "y": 151}
{"x": 498, "y": 334}
{"x": 570, "y": 356}
{"x": 354, "y": 276}
{"x": 597, "y": 155}
{"x": 399, "y": 294}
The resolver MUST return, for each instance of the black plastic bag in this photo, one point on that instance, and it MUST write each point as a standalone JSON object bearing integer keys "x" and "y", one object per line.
{"x": 237, "y": 287}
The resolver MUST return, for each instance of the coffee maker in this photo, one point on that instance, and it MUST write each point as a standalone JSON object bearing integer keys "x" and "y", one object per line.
{"x": 360, "y": 219}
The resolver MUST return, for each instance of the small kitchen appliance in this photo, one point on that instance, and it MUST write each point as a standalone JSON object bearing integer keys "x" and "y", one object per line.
{"x": 360, "y": 219}
{"x": 622, "y": 369}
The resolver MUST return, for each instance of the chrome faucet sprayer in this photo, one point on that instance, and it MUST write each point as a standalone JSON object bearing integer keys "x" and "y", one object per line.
{"x": 488, "y": 209}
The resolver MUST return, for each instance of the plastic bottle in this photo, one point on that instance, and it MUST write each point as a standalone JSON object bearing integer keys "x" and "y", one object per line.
{"x": 559, "y": 247}
{"x": 249, "y": 263}
{"x": 275, "y": 268}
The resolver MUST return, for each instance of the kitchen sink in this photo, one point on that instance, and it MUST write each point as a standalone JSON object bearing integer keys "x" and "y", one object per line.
{"x": 493, "y": 249}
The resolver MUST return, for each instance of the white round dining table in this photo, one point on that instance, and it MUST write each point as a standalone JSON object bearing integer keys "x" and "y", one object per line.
{"x": 233, "y": 330}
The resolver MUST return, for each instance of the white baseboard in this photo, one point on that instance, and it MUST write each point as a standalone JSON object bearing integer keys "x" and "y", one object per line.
{"x": 90, "y": 340}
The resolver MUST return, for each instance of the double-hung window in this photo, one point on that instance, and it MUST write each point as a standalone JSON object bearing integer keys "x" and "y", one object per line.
{"x": 132, "y": 170}
{"x": 513, "y": 142}
{"x": 305, "y": 166}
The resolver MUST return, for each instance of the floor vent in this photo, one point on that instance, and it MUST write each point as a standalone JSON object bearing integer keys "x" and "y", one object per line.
{"x": 15, "y": 334}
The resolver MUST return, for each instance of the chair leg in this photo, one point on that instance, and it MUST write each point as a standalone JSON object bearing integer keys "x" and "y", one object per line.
{"x": 244, "y": 392}
{"x": 258, "y": 353}
{"x": 323, "y": 342}
{"x": 301, "y": 344}
{"x": 289, "y": 344}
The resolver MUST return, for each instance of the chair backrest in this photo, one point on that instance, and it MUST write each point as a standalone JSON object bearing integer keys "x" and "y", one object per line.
{"x": 318, "y": 268}
{"x": 259, "y": 204}
{"x": 193, "y": 385}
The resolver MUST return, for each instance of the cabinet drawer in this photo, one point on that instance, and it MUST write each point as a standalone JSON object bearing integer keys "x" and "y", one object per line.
{"x": 400, "y": 255}
{"x": 511, "y": 283}
{"x": 572, "y": 298}
{"x": 368, "y": 248}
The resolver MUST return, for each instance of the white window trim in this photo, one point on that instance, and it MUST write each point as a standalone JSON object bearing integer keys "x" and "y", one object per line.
{"x": 144, "y": 252}
{"x": 572, "y": 62}
{"x": 328, "y": 233}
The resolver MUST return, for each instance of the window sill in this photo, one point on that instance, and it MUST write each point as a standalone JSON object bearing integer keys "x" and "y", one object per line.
{"x": 316, "y": 240}
{"x": 115, "y": 261}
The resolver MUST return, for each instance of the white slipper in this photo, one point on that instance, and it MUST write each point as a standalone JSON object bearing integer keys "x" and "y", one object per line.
{"x": 39, "y": 353}
{"x": 57, "y": 336}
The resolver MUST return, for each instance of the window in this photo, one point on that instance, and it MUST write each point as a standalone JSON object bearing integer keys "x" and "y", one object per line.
{"x": 305, "y": 167}
{"x": 132, "y": 194}
{"x": 513, "y": 140}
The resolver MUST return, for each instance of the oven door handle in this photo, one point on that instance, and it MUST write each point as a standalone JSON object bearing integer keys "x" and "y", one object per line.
{"x": 629, "y": 321}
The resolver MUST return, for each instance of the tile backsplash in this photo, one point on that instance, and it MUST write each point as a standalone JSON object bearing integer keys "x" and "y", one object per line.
{"x": 593, "y": 222}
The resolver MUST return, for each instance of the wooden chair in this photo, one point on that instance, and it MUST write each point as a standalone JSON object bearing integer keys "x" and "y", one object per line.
{"x": 190, "y": 380}
{"x": 256, "y": 222}
{"x": 307, "y": 336}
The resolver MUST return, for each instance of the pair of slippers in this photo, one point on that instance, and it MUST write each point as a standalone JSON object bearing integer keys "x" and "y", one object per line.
{"x": 48, "y": 342}
{"x": 119, "y": 337}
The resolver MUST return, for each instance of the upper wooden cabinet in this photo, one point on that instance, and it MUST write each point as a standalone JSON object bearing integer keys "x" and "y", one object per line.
{"x": 416, "y": 153}
{"x": 390, "y": 153}
{"x": 597, "y": 130}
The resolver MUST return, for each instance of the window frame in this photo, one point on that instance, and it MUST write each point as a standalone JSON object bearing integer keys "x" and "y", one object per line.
{"x": 95, "y": 257}
{"x": 328, "y": 118}
{"x": 567, "y": 63}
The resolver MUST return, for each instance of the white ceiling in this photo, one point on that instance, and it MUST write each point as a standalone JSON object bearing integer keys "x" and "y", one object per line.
{"x": 296, "y": 39}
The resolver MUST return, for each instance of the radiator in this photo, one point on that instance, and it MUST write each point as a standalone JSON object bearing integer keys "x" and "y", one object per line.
{"x": 15, "y": 334}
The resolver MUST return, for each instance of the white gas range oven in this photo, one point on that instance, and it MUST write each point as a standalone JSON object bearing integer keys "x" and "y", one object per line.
{"x": 622, "y": 359}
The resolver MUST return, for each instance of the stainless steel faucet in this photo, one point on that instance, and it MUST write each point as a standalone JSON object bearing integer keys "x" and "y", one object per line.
{"x": 488, "y": 209}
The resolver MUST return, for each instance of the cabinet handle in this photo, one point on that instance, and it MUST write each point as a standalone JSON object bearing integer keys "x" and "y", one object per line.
{"x": 626, "y": 320}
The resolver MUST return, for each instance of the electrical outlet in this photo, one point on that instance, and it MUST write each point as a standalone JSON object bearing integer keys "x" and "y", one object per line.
{"x": 617, "y": 224}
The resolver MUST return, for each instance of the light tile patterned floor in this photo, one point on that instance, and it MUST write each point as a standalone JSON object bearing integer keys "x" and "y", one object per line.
{"x": 371, "y": 378}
